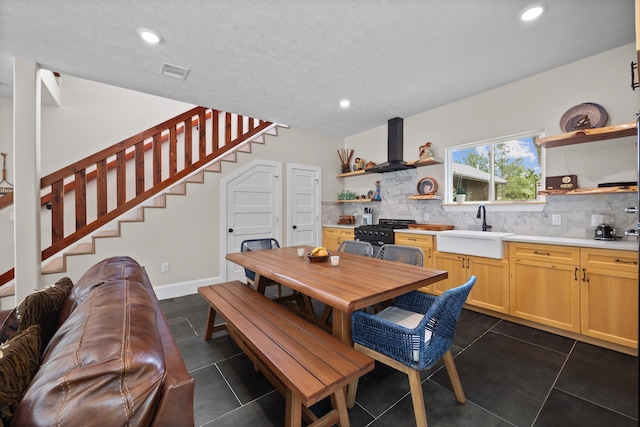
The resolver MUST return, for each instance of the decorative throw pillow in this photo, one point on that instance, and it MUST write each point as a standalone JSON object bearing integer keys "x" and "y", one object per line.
{"x": 9, "y": 326}
{"x": 19, "y": 362}
{"x": 42, "y": 307}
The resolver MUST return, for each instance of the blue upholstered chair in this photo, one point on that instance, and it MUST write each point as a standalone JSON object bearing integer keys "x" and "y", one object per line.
{"x": 412, "y": 335}
{"x": 356, "y": 247}
{"x": 258, "y": 245}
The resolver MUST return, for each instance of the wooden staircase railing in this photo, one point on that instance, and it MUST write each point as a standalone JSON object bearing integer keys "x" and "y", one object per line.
{"x": 214, "y": 139}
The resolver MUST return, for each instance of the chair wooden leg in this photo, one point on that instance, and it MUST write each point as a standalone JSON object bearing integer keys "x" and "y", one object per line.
{"x": 417, "y": 398}
{"x": 453, "y": 376}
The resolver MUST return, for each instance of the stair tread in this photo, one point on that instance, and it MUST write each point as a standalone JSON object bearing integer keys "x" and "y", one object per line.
{"x": 7, "y": 290}
{"x": 55, "y": 266}
{"x": 81, "y": 249}
{"x": 107, "y": 233}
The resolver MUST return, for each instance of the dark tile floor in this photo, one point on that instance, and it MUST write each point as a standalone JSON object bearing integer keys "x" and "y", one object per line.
{"x": 512, "y": 376}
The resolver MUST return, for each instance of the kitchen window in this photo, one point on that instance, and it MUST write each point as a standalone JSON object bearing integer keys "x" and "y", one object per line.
{"x": 506, "y": 169}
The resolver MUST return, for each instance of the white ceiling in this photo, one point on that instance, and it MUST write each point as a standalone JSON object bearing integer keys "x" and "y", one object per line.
{"x": 292, "y": 61}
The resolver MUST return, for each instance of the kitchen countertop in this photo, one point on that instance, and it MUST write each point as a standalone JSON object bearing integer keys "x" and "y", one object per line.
{"x": 625, "y": 245}
{"x": 352, "y": 226}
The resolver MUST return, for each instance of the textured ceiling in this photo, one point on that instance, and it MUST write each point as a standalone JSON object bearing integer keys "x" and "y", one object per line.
{"x": 292, "y": 61}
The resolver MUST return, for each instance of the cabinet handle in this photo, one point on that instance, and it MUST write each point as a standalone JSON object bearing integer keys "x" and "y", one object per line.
{"x": 467, "y": 262}
{"x": 575, "y": 274}
{"x": 462, "y": 262}
{"x": 541, "y": 253}
{"x": 621, "y": 261}
{"x": 584, "y": 275}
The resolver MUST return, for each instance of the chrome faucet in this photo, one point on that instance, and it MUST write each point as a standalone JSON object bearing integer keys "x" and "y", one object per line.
{"x": 483, "y": 215}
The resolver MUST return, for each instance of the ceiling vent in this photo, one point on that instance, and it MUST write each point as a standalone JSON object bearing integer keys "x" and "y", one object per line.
{"x": 174, "y": 71}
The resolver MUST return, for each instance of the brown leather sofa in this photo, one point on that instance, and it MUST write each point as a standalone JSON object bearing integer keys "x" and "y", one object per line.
{"x": 112, "y": 360}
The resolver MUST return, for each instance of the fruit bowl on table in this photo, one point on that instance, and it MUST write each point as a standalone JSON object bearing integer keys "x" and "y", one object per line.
{"x": 318, "y": 258}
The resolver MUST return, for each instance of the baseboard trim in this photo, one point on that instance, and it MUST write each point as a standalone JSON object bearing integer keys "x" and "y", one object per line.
{"x": 175, "y": 290}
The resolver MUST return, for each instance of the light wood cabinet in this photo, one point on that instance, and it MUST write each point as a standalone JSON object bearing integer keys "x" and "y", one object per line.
{"x": 544, "y": 284}
{"x": 609, "y": 295}
{"x": 422, "y": 241}
{"x": 333, "y": 236}
{"x": 491, "y": 290}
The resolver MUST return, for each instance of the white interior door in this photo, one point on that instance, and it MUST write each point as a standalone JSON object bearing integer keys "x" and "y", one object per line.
{"x": 253, "y": 199}
{"x": 303, "y": 194}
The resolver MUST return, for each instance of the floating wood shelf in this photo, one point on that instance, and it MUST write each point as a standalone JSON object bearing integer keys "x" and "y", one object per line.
{"x": 588, "y": 135}
{"x": 355, "y": 173}
{"x": 424, "y": 197}
{"x": 597, "y": 190}
{"x": 357, "y": 201}
{"x": 418, "y": 163}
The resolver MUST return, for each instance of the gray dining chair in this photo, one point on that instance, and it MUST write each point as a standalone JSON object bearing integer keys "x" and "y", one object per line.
{"x": 356, "y": 247}
{"x": 257, "y": 245}
{"x": 400, "y": 253}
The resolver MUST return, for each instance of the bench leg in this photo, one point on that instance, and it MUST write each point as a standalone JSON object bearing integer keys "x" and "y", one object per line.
{"x": 293, "y": 412}
{"x": 211, "y": 327}
{"x": 352, "y": 389}
{"x": 338, "y": 403}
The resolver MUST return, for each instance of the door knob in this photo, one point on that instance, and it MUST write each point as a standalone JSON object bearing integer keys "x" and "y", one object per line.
{"x": 231, "y": 230}
{"x": 295, "y": 227}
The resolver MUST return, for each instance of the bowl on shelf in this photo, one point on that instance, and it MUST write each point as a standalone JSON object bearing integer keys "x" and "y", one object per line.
{"x": 318, "y": 258}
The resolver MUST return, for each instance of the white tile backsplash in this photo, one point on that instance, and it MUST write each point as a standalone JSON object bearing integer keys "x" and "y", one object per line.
{"x": 576, "y": 210}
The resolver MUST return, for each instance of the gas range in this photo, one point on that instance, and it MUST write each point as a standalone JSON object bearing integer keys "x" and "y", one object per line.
{"x": 381, "y": 233}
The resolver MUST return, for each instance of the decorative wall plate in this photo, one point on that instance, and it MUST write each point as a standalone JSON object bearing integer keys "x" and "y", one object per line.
{"x": 587, "y": 115}
{"x": 427, "y": 185}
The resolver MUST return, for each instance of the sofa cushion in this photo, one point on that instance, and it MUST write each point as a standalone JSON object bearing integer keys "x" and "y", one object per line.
{"x": 10, "y": 325}
{"x": 19, "y": 361}
{"x": 42, "y": 307}
{"x": 106, "y": 360}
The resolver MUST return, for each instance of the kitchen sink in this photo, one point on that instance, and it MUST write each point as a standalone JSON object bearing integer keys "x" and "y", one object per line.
{"x": 467, "y": 242}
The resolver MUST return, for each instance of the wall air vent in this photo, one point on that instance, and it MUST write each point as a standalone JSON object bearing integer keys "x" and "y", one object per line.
{"x": 174, "y": 71}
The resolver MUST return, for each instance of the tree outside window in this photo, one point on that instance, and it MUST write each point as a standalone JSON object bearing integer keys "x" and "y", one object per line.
{"x": 503, "y": 169}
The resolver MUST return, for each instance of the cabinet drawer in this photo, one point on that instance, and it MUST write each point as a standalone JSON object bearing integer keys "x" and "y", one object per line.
{"x": 420, "y": 241}
{"x": 550, "y": 253}
{"x": 609, "y": 259}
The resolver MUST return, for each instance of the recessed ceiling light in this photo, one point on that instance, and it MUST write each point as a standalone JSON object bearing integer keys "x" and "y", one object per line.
{"x": 532, "y": 12}
{"x": 149, "y": 36}
{"x": 345, "y": 103}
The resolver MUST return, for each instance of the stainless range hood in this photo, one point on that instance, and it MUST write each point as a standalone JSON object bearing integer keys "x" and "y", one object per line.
{"x": 394, "y": 150}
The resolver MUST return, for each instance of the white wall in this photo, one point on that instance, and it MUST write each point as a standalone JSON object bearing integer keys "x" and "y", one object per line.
{"x": 537, "y": 102}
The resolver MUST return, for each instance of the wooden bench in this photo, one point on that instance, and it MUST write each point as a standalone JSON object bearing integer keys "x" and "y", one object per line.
{"x": 305, "y": 363}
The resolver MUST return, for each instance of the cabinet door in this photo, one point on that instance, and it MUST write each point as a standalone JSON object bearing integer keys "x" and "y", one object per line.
{"x": 545, "y": 292}
{"x": 455, "y": 265}
{"x": 609, "y": 296}
{"x": 346, "y": 234}
{"x": 331, "y": 238}
{"x": 491, "y": 290}
{"x": 424, "y": 242}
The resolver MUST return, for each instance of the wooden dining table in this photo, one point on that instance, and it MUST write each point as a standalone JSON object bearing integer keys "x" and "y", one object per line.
{"x": 357, "y": 282}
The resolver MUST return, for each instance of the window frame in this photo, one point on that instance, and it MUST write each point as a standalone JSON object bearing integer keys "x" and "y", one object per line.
{"x": 448, "y": 168}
